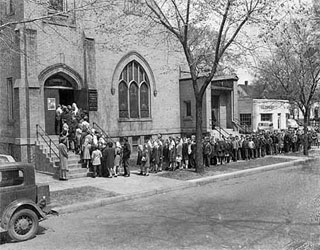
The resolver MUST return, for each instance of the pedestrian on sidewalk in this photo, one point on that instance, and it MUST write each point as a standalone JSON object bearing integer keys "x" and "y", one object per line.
{"x": 96, "y": 162}
{"x": 63, "y": 154}
{"x": 207, "y": 150}
{"x": 139, "y": 159}
{"x": 126, "y": 156}
{"x": 145, "y": 160}
{"x": 179, "y": 154}
{"x": 160, "y": 153}
{"x": 86, "y": 148}
{"x": 172, "y": 154}
{"x": 117, "y": 159}
{"x": 108, "y": 158}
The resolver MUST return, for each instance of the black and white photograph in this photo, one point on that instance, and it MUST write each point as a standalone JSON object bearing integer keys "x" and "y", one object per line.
{"x": 159, "y": 124}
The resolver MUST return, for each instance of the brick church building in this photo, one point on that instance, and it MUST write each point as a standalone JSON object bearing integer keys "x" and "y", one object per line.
{"x": 126, "y": 79}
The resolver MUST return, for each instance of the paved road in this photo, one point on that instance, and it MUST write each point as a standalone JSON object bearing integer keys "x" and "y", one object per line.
{"x": 271, "y": 210}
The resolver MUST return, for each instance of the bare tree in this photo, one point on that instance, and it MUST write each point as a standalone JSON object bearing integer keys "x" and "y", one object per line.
{"x": 207, "y": 31}
{"x": 292, "y": 67}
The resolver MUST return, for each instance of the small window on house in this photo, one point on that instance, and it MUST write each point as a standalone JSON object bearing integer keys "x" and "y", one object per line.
{"x": 187, "y": 105}
{"x": 245, "y": 119}
{"x": 266, "y": 117}
{"x": 10, "y": 98}
{"x": 57, "y": 5}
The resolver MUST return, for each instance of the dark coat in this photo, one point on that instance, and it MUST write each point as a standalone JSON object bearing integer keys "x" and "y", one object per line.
{"x": 108, "y": 155}
{"x": 126, "y": 152}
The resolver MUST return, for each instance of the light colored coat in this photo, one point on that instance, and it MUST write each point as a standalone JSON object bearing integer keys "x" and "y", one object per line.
{"x": 63, "y": 154}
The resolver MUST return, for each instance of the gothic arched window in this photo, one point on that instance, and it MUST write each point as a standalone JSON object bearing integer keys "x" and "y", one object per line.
{"x": 123, "y": 100}
{"x": 134, "y": 103}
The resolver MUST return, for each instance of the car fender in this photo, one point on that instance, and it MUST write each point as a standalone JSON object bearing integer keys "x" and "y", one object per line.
{"x": 20, "y": 204}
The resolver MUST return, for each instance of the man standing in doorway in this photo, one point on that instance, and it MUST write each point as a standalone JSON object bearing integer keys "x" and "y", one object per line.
{"x": 126, "y": 156}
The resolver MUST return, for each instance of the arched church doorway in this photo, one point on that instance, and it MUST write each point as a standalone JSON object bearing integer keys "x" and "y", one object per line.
{"x": 58, "y": 89}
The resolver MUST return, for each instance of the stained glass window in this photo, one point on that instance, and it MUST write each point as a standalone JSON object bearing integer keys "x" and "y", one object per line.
{"x": 144, "y": 100}
{"x": 134, "y": 103}
{"x": 123, "y": 100}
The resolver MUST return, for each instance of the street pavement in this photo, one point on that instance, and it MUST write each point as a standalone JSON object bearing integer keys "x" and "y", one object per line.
{"x": 136, "y": 186}
{"x": 272, "y": 210}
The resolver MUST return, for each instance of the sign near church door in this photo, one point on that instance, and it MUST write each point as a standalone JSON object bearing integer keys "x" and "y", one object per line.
{"x": 93, "y": 100}
{"x": 51, "y": 103}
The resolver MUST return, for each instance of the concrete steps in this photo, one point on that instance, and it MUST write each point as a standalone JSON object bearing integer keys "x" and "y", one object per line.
{"x": 52, "y": 161}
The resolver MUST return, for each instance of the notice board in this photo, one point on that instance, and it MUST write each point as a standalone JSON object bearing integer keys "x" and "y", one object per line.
{"x": 93, "y": 99}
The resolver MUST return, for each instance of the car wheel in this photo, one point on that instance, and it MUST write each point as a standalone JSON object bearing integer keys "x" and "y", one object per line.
{"x": 23, "y": 225}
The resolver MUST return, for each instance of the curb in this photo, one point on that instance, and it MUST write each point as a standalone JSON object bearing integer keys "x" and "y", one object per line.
{"x": 251, "y": 171}
{"x": 112, "y": 200}
{"x": 188, "y": 184}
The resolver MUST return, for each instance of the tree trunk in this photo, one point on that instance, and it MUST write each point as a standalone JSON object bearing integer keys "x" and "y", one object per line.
{"x": 305, "y": 131}
{"x": 199, "y": 155}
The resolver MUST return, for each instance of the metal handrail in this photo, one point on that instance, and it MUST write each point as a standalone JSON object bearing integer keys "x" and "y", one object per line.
{"x": 94, "y": 124}
{"x": 238, "y": 124}
{"x": 219, "y": 129}
{"x": 46, "y": 138}
{"x": 243, "y": 127}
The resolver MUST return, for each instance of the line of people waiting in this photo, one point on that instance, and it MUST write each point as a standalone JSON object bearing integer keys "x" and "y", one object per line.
{"x": 103, "y": 157}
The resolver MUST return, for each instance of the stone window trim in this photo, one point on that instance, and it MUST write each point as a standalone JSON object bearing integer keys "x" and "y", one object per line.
{"x": 133, "y": 55}
{"x": 134, "y": 92}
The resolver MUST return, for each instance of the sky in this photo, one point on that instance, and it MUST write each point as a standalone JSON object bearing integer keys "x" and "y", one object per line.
{"x": 244, "y": 75}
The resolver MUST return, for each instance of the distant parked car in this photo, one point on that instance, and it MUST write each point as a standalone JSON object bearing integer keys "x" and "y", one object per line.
{"x": 21, "y": 200}
{"x": 265, "y": 126}
{"x": 6, "y": 158}
{"x": 292, "y": 123}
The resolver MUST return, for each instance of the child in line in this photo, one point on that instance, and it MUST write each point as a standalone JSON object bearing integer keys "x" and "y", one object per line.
{"x": 96, "y": 162}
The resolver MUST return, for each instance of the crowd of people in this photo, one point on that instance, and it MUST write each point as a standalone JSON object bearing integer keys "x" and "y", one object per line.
{"x": 104, "y": 157}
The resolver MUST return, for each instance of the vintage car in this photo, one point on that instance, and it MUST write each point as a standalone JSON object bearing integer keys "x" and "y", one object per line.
{"x": 6, "y": 158}
{"x": 265, "y": 126}
{"x": 22, "y": 202}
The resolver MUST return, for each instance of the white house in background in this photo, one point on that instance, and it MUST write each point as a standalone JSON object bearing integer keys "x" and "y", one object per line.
{"x": 254, "y": 111}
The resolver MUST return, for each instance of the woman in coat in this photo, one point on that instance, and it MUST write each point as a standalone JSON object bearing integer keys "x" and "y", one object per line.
{"x": 108, "y": 157}
{"x": 63, "y": 154}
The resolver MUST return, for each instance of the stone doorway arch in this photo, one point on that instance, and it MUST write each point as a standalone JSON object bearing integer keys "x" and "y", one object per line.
{"x": 61, "y": 85}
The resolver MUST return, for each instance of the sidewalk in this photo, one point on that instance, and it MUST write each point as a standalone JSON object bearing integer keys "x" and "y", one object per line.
{"x": 84, "y": 193}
